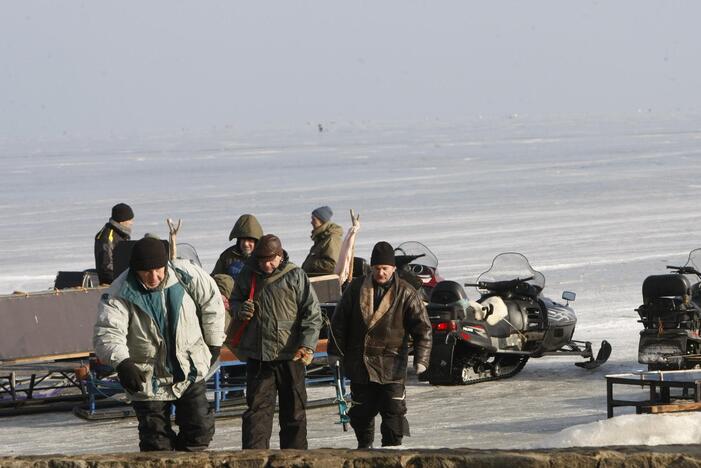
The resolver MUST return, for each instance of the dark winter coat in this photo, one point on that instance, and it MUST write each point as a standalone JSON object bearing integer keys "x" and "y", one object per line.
{"x": 105, "y": 242}
{"x": 287, "y": 312}
{"x": 373, "y": 343}
{"x": 231, "y": 260}
{"x": 324, "y": 253}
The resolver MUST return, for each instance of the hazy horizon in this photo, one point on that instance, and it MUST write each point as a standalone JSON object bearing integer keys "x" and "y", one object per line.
{"x": 101, "y": 69}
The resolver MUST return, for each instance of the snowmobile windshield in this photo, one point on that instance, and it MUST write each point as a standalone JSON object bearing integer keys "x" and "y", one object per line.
{"x": 510, "y": 266}
{"x": 416, "y": 255}
{"x": 188, "y": 252}
{"x": 694, "y": 260}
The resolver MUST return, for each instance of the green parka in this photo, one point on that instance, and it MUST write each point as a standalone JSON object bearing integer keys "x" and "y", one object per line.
{"x": 324, "y": 253}
{"x": 287, "y": 312}
{"x": 232, "y": 259}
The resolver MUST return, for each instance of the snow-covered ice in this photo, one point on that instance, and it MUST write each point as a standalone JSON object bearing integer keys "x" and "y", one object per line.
{"x": 595, "y": 203}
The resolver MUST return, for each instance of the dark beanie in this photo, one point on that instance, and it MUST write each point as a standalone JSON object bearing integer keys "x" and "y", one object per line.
{"x": 148, "y": 254}
{"x": 122, "y": 212}
{"x": 323, "y": 213}
{"x": 268, "y": 246}
{"x": 382, "y": 254}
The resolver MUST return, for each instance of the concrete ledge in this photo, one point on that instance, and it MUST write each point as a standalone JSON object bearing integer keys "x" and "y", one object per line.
{"x": 649, "y": 457}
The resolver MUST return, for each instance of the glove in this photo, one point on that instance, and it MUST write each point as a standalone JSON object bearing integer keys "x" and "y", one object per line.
{"x": 420, "y": 368}
{"x": 247, "y": 310}
{"x": 332, "y": 360}
{"x": 131, "y": 378}
{"x": 214, "y": 350}
{"x": 305, "y": 355}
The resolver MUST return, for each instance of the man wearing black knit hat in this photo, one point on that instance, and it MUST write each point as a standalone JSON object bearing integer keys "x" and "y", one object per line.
{"x": 371, "y": 327}
{"x": 117, "y": 229}
{"x": 161, "y": 325}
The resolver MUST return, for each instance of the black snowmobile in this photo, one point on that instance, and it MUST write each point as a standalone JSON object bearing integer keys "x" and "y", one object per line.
{"x": 671, "y": 315}
{"x": 493, "y": 338}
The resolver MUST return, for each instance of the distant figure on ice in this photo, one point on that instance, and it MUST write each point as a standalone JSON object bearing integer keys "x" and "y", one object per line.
{"x": 327, "y": 238}
{"x": 117, "y": 229}
{"x": 276, "y": 301}
{"x": 149, "y": 330}
{"x": 371, "y": 327}
{"x": 247, "y": 231}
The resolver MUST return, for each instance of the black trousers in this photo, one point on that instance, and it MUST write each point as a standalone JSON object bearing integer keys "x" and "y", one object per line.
{"x": 264, "y": 381}
{"x": 193, "y": 416}
{"x": 389, "y": 400}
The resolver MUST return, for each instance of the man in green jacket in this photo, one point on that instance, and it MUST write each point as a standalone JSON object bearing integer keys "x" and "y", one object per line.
{"x": 276, "y": 300}
{"x": 247, "y": 230}
{"x": 161, "y": 325}
{"x": 327, "y": 238}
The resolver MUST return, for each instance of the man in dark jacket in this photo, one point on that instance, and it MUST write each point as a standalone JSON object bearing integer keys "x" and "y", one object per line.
{"x": 371, "y": 327}
{"x": 117, "y": 229}
{"x": 283, "y": 318}
{"x": 246, "y": 231}
{"x": 327, "y": 238}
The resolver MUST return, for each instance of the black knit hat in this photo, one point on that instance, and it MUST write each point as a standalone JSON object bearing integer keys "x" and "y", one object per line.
{"x": 148, "y": 254}
{"x": 269, "y": 245}
{"x": 122, "y": 212}
{"x": 382, "y": 254}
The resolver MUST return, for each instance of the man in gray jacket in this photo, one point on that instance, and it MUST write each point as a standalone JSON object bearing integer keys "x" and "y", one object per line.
{"x": 282, "y": 317}
{"x": 161, "y": 325}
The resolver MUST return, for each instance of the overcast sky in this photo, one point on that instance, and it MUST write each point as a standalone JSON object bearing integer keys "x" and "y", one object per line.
{"x": 96, "y": 68}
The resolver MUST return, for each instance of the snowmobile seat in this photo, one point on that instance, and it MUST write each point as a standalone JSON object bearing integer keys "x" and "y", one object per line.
{"x": 448, "y": 301}
{"x": 672, "y": 285}
{"x": 447, "y": 292}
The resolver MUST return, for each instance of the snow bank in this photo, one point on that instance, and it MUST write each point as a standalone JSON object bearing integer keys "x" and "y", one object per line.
{"x": 631, "y": 429}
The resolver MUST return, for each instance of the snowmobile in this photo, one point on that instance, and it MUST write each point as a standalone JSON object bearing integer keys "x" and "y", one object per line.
{"x": 493, "y": 338}
{"x": 418, "y": 265}
{"x": 671, "y": 317}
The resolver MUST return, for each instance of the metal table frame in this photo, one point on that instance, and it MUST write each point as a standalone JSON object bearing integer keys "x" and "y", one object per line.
{"x": 659, "y": 388}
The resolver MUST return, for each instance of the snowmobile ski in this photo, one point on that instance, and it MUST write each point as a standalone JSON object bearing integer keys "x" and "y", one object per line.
{"x": 601, "y": 357}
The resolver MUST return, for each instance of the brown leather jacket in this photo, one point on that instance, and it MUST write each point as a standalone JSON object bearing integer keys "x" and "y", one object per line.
{"x": 374, "y": 346}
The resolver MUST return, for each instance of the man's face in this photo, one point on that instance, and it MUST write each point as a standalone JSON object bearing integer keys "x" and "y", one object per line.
{"x": 316, "y": 222}
{"x": 246, "y": 244}
{"x": 269, "y": 264}
{"x": 382, "y": 273}
{"x": 128, "y": 223}
{"x": 152, "y": 278}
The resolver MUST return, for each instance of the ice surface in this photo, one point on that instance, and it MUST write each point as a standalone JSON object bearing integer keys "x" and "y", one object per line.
{"x": 595, "y": 203}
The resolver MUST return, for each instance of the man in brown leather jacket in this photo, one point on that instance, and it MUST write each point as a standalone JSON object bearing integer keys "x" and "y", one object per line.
{"x": 371, "y": 327}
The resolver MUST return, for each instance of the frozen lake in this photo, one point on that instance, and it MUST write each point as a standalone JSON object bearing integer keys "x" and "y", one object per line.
{"x": 595, "y": 203}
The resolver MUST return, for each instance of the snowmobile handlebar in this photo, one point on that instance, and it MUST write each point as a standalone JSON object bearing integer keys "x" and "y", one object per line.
{"x": 499, "y": 286}
{"x": 402, "y": 260}
{"x": 684, "y": 270}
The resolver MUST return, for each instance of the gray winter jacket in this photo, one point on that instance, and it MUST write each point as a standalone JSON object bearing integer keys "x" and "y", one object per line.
{"x": 133, "y": 322}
